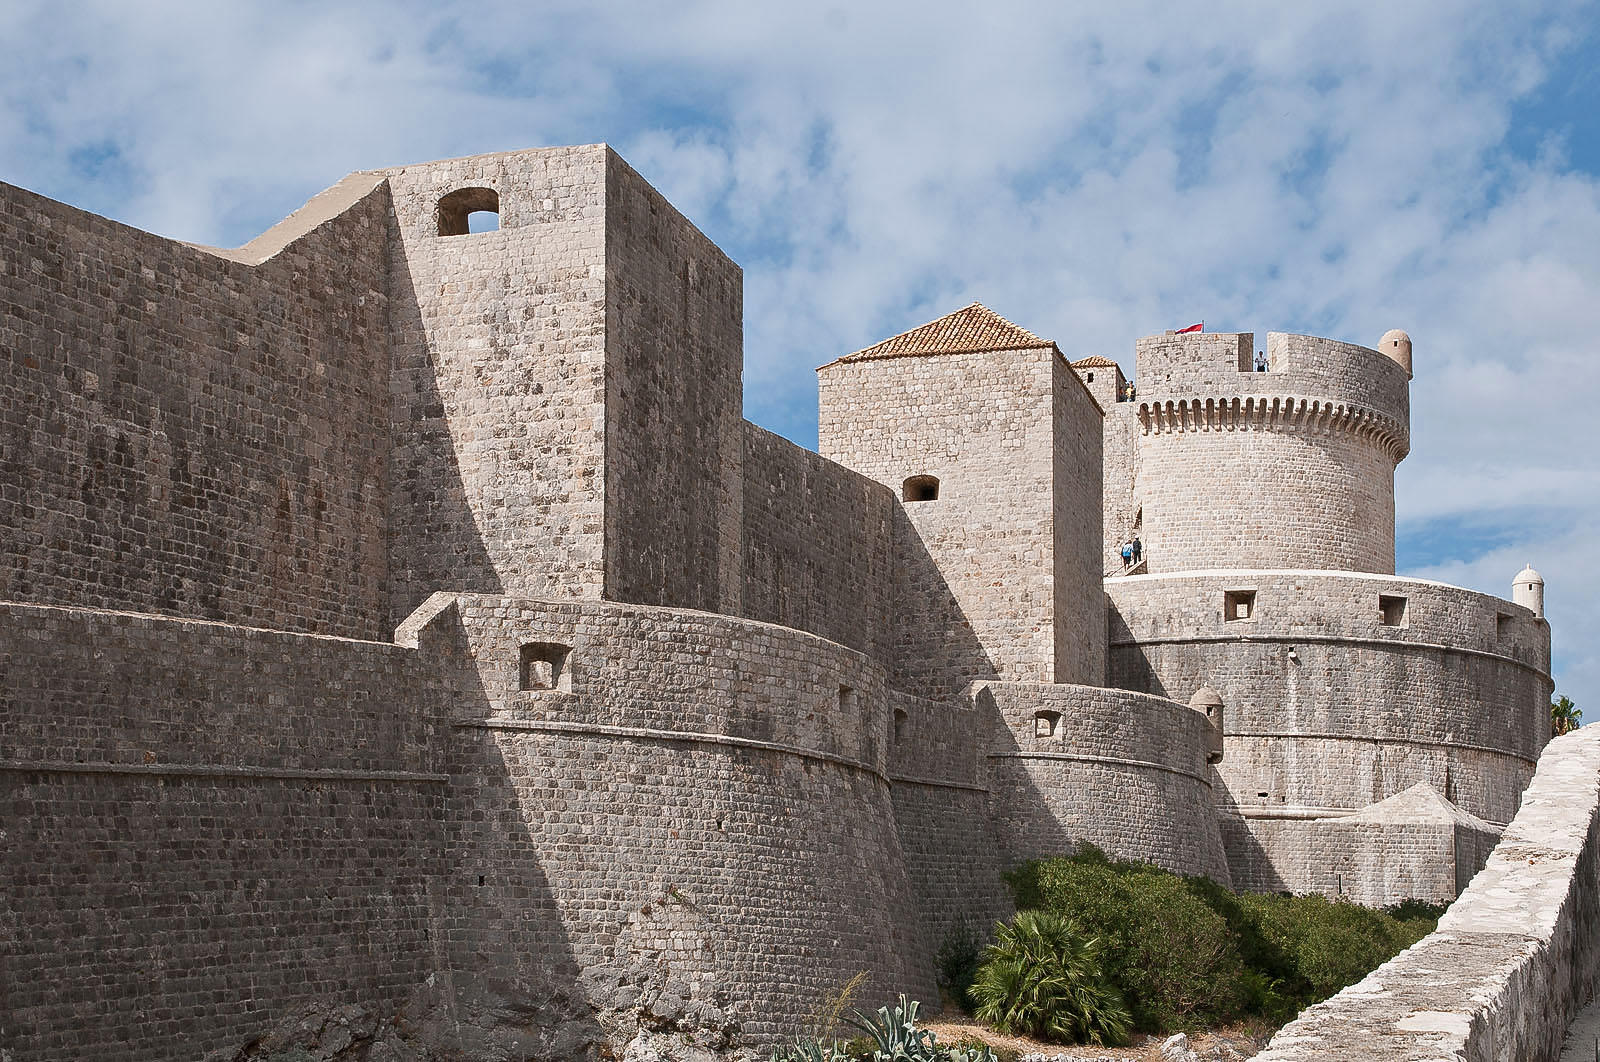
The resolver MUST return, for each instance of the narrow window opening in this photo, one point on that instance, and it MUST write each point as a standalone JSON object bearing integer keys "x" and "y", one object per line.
{"x": 1502, "y": 626}
{"x": 1045, "y": 723}
{"x": 480, "y": 881}
{"x": 899, "y": 727}
{"x": 467, "y": 210}
{"x": 1391, "y": 610}
{"x": 1238, "y": 605}
{"x": 847, "y": 699}
{"x": 1261, "y": 796}
{"x": 1091, "y": 378}
{"x": 920, "y": 488}
{"x": 543, "y": 666}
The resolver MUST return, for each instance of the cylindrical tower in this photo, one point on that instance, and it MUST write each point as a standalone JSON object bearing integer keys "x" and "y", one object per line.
{"x": 1288, "y": 468}
{"x": 1527, "y": 590}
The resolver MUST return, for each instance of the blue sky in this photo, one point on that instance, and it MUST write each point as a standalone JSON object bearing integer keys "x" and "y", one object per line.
{"x": 1093, "y": 172}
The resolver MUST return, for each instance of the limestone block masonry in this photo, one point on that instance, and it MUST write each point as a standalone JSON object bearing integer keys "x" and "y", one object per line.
{"x": 681, "y": 726}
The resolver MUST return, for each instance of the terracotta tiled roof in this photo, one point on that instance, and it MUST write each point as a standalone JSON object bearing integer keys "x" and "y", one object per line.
{"x": 968, "y": 330}
{"x": 1094, "y": 361}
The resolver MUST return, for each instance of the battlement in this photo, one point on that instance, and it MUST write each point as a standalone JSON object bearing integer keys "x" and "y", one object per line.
{"x": 1262, "y": 413}
{"x": 1221, "y": 365}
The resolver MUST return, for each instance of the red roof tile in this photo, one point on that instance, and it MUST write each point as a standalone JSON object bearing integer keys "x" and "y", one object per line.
{"x": 969, "y": 330}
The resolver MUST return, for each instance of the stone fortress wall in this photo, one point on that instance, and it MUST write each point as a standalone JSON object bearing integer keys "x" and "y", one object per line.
{"x": 192, "y": 436}
{"x": 675, "y": 773}
{"x": 683, "y": 725}
{"x": 1123, "y": 770}
{"x": 203, "y": 824}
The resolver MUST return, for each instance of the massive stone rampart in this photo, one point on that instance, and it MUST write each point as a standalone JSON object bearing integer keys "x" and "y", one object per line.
{"x": 190, "y": 435}
{"x": 206, "y": 827}
{"x": 1332, "y": 702}
{"x": 1514, "y": 958}
{"x": 685, "y": 797}
{"x": 938, "y": 763}
{"x": 1125, "y": 771}
{"x": 1340, "y": 691}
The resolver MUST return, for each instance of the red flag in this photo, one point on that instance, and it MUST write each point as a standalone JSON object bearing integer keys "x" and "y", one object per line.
{"x": 1201, "y": 327}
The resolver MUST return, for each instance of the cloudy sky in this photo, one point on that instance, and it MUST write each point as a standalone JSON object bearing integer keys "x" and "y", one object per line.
{"x": 1094, "y": 172}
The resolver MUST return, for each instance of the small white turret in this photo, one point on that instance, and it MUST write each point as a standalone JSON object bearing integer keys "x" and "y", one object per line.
{"x": 1396, "y": 346}
{"x": 1527, "y": 590}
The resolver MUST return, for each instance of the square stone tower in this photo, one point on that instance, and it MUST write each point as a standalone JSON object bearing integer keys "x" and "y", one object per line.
{"x": 566, "y": 387}
{"x": 993, "y": 445}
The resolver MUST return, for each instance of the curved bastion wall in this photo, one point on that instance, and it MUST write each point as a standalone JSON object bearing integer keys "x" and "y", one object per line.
{"x": 1341, "y": 690}
{"x": 1307, "y": 450}
{"x": 1125, "y": 771}
{"x": 651, "y": 795}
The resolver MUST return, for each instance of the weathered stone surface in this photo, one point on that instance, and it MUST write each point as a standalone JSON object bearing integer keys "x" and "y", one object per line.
{"x": 683, "y": 727}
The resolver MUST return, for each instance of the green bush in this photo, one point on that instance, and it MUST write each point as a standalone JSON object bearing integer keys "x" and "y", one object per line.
{"x": 1042, "y": 978}
{"x": 1170, "y": 954}
{"x": 1186, "y": 952}
{"x": 1317, "y": 946}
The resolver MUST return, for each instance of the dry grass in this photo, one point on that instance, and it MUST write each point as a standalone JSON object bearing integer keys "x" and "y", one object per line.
{"x": 1244, "y": 1040}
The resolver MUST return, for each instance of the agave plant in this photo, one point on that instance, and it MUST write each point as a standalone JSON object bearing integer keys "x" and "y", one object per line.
{"x": 896, "y": 1038}
{"x": 810, "y": 1050}
{"x": 1042, "y": 978}
{"x": 894, "y": 1032}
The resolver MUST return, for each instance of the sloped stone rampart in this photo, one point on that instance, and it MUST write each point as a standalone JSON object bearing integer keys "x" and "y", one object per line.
{"x": 1123, "y": 770}
{"x": 701, "y": 794}
{"x": 1514, "y": 958}
{"x": 205, "y": 827}
{"x": 939, "y": 769}
{"x": 1326, "y": 704}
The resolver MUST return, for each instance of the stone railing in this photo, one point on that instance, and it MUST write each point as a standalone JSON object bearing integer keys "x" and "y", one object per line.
{"x": 1513, "y": 960}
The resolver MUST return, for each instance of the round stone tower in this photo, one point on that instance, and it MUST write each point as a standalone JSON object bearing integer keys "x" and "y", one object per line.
{"x": 1290, "y": 468}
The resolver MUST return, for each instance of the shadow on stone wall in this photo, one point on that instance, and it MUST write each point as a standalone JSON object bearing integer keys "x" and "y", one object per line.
{"x": 510, "y": 982}
{"x": 935, "y": 650}
{"x": 434, "y": 540}
{"x": 507, "y": 985}
{"x": 1022, "y": 823}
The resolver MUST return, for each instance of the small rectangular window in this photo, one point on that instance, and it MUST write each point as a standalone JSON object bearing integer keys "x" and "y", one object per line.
{"x": 1391, "y": 610}
{"x": 1044, "y": 724}
{"x": 1502, "y": 626}
{"x": 1238, "y": 605}
{"x": 543, "y": 666}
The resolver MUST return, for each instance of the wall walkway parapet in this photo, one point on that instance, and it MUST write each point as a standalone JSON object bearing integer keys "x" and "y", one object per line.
{"x": 1513, "y": 960}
